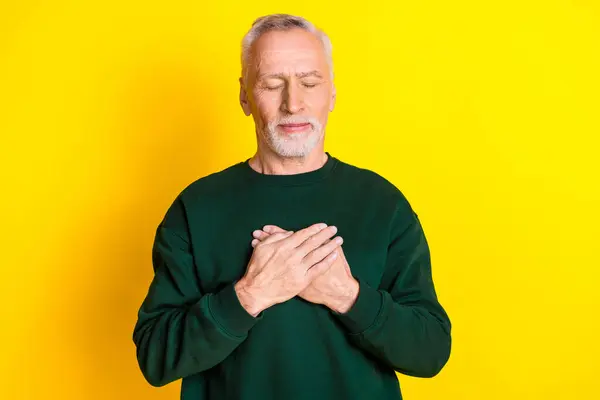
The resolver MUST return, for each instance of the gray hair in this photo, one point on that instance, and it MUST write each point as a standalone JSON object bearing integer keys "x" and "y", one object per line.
{"x": 282, "y": 22}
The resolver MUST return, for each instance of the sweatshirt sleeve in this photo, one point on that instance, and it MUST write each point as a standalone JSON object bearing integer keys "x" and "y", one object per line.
{"x": 402, "y": 323}
{"x": 181, "y": 331}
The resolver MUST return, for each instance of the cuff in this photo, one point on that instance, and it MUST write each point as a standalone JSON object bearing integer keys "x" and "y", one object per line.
{"x": 365, "y": 310}
{"x": 229, "y": 314}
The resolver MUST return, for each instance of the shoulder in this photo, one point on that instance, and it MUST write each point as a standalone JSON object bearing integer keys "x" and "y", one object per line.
{"x": 212, "y": 184}
{"x": 203, "y": 191}
{"x": 367, "y": 181}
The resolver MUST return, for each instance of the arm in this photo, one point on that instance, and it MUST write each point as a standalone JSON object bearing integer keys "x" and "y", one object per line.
{"x": 402, "y": 323}
{"x": 181, "y": 331}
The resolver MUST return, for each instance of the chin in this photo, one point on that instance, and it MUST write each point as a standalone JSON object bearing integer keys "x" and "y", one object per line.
{"x": 300, "y": 146}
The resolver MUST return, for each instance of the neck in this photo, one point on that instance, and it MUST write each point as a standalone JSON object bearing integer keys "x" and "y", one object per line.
{"x": 270, "y": 163}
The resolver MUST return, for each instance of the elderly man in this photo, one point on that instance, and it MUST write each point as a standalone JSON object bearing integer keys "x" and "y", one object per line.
{"x": 291, "y": 275}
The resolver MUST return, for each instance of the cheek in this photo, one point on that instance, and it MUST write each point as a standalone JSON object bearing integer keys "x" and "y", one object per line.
{"x": 267, "y": 104}
{"x": 317, "y": 99}
{"x": 318, "y": 103}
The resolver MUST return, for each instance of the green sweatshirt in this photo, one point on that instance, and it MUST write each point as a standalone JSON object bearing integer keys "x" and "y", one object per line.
{"x": 191, "y": 324}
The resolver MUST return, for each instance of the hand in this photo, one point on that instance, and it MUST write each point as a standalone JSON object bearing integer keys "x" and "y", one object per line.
{"x": 284, "y": 264}
{"x": 335, "y": 288}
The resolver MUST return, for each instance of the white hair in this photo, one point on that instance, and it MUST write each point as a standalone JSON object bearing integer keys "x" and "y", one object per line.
{"x": 282, "y": 22}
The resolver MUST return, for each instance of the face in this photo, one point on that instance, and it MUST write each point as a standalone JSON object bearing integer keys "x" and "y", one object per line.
{"x": 289, "y": 91}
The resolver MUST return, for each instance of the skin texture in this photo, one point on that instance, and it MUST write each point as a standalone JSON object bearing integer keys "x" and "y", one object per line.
{"x": 284, "y": 264}
{"x": 336, "y": 288}
{"x": 288, "y": 82}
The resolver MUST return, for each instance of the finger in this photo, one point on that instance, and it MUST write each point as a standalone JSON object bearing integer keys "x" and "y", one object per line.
{"x": 255, "y": 242}
{"x": 276, "y": 236}
{"x": 323, "y": 251}
{"x": 316, "y": 241}
{"x": 322, "y": 266}
{"x": 273, "y": 229}
{"x": 258, "y": 234}
{"x": 300, "y": 236}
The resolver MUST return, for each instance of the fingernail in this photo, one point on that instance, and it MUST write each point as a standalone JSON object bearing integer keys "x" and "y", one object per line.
{"x": 334, "y": 255}
{"x": 333, "y": 229}
{"x": 339, "y": 240}
{"x": 321, "y": 226}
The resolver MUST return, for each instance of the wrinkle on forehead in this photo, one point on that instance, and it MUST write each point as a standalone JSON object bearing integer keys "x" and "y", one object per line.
{"x": 288, "y": 62}
{"x": 287, "y": 53}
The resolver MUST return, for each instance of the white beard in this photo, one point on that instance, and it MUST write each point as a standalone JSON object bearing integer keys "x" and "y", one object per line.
{"x": 293, "y": 144}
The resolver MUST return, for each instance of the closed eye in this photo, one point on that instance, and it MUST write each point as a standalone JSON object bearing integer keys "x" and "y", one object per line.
{"x": 306, "y": 85}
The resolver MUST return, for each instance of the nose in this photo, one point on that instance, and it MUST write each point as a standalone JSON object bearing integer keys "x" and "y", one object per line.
{"x": 292, "y": 100}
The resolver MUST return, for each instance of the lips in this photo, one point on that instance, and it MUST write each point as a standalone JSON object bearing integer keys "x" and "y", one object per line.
{"x": 294, "y": 127}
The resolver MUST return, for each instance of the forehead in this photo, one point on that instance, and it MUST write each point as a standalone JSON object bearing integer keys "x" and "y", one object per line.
{"x": 293, "y": 50}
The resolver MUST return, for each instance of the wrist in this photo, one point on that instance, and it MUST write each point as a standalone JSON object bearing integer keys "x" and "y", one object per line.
{"x": 346, "y": 300}
{"x": 249, "y": 299}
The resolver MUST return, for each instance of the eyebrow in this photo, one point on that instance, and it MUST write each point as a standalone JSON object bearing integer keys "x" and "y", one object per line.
{"x": 299, "y": 75}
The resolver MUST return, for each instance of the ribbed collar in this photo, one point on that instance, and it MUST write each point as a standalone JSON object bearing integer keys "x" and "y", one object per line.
{"x": 293, "y": 179}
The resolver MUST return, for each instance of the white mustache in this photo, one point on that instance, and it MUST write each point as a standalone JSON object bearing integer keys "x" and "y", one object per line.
{"x": 295, "y": 120}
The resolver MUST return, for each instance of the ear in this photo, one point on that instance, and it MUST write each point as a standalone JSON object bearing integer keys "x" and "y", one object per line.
{"x": 244, "y": 99}
{"x": 332, "y": 100}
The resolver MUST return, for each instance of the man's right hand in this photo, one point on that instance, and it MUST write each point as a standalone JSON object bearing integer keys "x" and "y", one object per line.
{"x": 284, "y": 264}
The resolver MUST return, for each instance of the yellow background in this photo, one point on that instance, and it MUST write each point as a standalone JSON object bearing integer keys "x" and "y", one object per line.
{"x": 485, "y": 114}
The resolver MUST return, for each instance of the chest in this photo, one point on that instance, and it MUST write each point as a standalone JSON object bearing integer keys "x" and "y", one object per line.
{"x": 222, "y": 256}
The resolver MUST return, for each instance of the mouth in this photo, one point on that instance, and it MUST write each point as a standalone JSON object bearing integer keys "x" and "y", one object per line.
{"x": 293, "y": 128}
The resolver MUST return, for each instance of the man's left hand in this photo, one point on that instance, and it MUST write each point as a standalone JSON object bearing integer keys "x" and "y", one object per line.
{"x": 336, "y": 288}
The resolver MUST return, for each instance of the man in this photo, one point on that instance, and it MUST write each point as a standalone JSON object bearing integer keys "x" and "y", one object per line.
{"x": 291, "y": 275}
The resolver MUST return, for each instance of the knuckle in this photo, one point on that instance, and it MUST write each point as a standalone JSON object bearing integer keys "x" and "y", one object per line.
{"x": 311, "y": 230}
{"x": 323, "y": 237}
{"x": 313, "y": 240}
